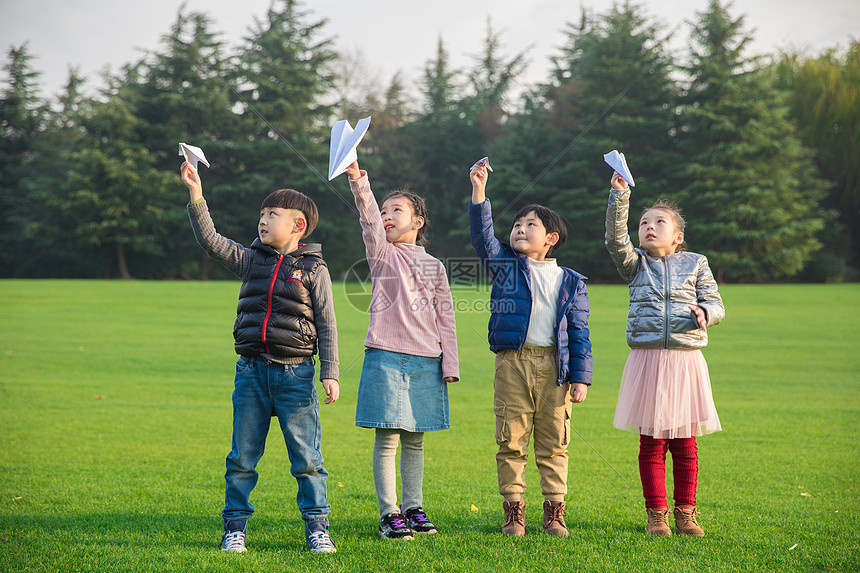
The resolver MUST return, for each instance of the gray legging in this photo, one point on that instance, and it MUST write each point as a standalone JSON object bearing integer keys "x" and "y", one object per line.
{"x": 385, "y": 472}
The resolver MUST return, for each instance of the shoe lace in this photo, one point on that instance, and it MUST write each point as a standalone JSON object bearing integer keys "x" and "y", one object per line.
{"x": 418, "y": 516}
{"x": 556, "y": 513}
{"x": 320, "y": 540}
{"x": 689, "y": 517}
{"x": 516, "y": 512}
{"x": 395, "y": 521}
{"x": 656, "y": 516}
{"x": 234, "y": 540}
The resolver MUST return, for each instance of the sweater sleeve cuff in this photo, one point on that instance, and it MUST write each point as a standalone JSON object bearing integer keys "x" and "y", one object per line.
{"x": 329, "y": 371}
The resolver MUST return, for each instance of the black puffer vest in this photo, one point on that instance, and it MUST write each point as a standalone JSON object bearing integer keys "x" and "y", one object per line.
{"x": 275, "y": 314}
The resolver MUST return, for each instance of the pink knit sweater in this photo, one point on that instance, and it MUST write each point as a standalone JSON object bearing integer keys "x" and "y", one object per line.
{"x": 411, "y": 308}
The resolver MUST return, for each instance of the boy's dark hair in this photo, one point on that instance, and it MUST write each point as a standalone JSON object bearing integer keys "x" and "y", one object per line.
{"x": 550, "y": 219}
{"x": 292, "y": 199}
{"x": 419, "y": 209}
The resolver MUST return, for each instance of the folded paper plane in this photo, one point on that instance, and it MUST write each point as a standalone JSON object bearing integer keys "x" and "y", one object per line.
{"x": 344, "y": 140}
{"x": 193, "y": 155}
{"x": 485, "y": 162}
{"x": 616, "y": 161}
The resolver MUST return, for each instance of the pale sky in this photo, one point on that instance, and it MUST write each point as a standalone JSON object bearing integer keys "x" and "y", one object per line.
{"x": 94, "y": 35}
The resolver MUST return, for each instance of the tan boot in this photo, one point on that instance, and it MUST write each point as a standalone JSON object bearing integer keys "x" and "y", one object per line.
{"x": 685, "y": 521}
{"x": 515, "y": 518}
{"x": 658, "y": 521}
{"x": 553, "y": 518}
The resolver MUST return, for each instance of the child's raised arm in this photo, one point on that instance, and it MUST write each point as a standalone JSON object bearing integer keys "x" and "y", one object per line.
{"x": 192, "y": 180}
{"x": 484, "y": 241}
{"x": 617, "y": 237}
{"x": 372, "y": 229}
{"x": 478, "y": 176}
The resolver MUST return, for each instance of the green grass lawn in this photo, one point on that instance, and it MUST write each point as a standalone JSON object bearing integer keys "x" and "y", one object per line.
{"x": 115, "y": 421}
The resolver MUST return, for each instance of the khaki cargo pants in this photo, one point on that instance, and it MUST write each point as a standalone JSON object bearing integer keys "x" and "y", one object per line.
{"x": 527, "y": 399}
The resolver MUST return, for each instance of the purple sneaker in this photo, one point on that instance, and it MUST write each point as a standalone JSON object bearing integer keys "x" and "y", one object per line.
{"x": 393, "y": 526}
{"x": 417, "y": 520}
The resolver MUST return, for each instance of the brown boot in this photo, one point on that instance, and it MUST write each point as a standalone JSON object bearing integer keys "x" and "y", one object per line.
{"x": 515, "y": 518}
{"x": 553, "y": 518}
{"x": 685, "y": 521}
{"x": 658, "y": 521}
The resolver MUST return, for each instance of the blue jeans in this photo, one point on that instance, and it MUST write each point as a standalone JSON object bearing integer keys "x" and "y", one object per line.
{"x": 263, "y": 390}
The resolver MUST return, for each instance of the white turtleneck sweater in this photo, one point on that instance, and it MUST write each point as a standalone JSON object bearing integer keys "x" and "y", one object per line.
{"x": 546, "y": 278}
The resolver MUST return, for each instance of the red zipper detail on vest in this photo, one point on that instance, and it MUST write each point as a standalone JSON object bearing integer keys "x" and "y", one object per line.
{"x": 269, "y": 302}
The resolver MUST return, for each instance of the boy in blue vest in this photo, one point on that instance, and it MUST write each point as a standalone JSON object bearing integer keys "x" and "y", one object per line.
{"x": 285, "y": 315}
{"x": 539, "y": 332}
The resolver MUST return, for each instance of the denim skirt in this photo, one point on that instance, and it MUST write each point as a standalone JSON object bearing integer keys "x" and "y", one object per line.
{"x": 402, "y": 391}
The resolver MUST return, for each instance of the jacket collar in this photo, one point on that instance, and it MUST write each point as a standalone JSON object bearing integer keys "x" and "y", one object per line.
{"x": 304, "y": 250}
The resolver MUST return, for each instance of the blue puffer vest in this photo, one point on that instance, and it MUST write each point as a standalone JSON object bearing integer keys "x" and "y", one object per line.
{"x": 275, "y": 314}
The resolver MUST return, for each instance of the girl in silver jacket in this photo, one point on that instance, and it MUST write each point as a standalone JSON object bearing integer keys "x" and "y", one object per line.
{"x": 665, "y": 393}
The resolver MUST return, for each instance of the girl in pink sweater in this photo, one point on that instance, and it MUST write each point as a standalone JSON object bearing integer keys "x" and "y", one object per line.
{"x": 410, "y": 350}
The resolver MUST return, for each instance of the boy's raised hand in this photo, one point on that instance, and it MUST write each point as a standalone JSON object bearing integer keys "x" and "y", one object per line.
{"x": 478, "y": 176}
{"x": 618, "y": 181}
{"x": 192, "y": 180}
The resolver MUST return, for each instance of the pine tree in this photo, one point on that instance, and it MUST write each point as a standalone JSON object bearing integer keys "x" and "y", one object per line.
{"x": 181, "y": 92}
{"x": 492, "y": 80}
{"x": 456, "y": 125}
{"x": 109, "y": 206}
{"x": 45, "y": 225}
{"x": 284, "y": 76}
{"x": 825, "y": 101}
{"x": 22, "y": 117}
{"x": 386, "y": 148}
{"x": 752, "y": 192}
{"x": 611, "y": 90}
{"x": 441, "y": 140}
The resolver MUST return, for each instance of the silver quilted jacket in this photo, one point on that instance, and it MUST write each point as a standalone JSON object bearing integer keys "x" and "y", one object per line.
{"x": 661, "y": 288}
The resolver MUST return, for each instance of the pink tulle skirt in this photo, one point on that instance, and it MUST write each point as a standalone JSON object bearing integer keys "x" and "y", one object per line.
{"x": 666, "y": 394}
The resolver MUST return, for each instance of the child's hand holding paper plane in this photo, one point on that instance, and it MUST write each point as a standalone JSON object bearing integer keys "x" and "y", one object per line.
{"x": 616, "y": 161}
{"x": 485, "y": 162}
{"x": 193, "y": 155}
{"x": 344, "y": 140}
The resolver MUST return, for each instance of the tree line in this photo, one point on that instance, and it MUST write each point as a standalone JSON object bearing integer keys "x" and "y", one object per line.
{"x": 759, "y": 151}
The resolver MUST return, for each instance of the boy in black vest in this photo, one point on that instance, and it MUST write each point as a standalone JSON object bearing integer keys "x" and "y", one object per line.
{"x": 285, "y": 314}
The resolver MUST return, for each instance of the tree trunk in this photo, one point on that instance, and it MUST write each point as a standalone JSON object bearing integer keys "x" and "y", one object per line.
{"x": 120, "y": 259}
{"x": 205, "y": 267}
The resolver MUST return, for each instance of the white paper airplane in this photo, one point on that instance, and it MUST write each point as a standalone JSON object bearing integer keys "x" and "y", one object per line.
{"x": 193, "y": 155}
{"x": 485, "y": 162}
{"x": 344, "y": 140}
{"x": 616, "y": 161}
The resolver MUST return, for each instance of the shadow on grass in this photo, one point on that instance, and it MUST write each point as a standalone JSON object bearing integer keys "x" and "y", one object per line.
{"x": 193, "y": 532}
{"x": 593, "y": 528}
{"x": 274, "y": 534}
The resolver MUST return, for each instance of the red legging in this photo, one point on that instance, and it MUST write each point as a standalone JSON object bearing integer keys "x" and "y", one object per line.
{"x": 652, "y": 470}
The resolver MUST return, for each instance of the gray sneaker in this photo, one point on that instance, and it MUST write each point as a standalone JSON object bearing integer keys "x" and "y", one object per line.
{"x": 317, "y": 537}
{"x": 233, "y": 540}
